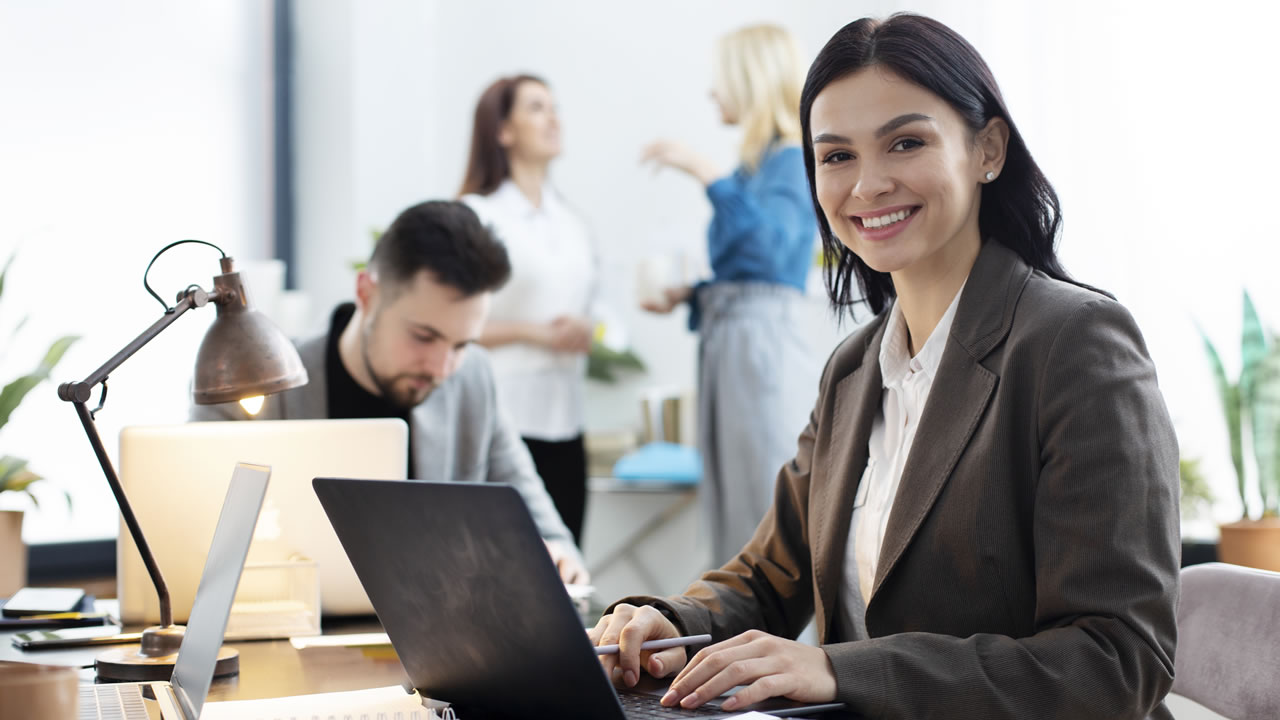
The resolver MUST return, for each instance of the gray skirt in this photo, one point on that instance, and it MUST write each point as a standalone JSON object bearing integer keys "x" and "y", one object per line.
{"x": 757, "y": 382}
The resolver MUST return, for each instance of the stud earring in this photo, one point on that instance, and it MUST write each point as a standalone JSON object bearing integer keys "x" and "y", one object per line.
{"x": 991, "y": 175}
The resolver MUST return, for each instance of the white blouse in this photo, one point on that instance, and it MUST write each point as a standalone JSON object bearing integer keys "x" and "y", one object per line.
{"x": 553, "y": 273}
{"x": 907, "y": 381}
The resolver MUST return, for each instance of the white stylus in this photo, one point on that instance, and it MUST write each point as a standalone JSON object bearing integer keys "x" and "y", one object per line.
{"x": 658, "y": 644}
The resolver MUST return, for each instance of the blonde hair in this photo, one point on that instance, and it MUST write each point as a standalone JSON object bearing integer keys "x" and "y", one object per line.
{"x": 759, "y": 74}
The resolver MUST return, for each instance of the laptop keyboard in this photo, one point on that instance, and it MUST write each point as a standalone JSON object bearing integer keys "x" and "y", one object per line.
{"x": 647, "y": 707}
{"x": 112, "y": 702}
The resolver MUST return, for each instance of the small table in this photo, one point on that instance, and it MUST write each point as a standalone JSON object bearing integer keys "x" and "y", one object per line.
{"x": 657, "y": 506}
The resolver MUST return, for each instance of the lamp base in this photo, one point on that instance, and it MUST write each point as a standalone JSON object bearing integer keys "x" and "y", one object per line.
{"x": 128, "y": 664}
{"x": 155, "y": 656}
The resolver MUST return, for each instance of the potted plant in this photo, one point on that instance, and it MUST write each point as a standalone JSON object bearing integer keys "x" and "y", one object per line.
{"x": 15, "y": 475}
{"x": 1197, "y": 500}
{"x": 1251, "y": 407}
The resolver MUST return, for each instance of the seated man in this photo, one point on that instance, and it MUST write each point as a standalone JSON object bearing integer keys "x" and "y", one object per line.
{"x": 406, "y": 349}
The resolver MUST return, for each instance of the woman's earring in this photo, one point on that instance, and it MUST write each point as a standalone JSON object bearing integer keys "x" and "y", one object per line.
{"x": 991, "y": 175}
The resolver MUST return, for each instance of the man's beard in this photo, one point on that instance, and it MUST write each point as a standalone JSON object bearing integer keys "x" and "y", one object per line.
{"x": 406, "y": 399}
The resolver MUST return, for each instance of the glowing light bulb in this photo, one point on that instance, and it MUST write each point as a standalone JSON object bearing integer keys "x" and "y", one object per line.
{"x": 252, "y": 405}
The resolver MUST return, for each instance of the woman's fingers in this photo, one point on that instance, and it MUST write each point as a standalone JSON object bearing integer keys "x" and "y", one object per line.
{"x": 610, "y": 626}
{"x": 767, "y": 666}
{"x": 629, "y": 627}
{"x": 666, "y": 662}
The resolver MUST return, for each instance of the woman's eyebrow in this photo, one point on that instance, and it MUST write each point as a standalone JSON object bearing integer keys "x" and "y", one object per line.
{"x": 894, "y": 124}
{"x": 899, "y": 121}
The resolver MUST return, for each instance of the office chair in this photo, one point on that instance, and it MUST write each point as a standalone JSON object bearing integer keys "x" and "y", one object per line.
{"x": 1228, "y": 655}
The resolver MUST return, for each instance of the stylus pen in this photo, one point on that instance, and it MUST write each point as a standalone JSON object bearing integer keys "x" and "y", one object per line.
{"x": 658, "y": 644}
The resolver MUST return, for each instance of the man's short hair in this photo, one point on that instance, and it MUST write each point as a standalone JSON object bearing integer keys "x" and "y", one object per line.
{"x": 447, "y": 239}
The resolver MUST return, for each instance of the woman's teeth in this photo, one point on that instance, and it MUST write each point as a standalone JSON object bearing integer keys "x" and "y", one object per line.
{"x": 882, "y": 220}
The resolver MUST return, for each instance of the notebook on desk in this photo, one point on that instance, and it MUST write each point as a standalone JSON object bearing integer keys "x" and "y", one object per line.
{"x": 183, "y": 696}
{"x": 474, "y": 606}
{"x": 184, "y": 466}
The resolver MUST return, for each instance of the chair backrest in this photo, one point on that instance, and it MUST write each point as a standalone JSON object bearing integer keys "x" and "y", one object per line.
{"x": 1228, "y": 656}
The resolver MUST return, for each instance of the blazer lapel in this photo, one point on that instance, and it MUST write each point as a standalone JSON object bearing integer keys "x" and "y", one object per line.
{"x": 857, "y": 402}
{"x": 958, "y": 398}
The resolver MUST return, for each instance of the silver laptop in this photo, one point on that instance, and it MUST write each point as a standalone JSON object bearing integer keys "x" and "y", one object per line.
{"x": 183, "y": 696}
{"x": 184, "y": 465}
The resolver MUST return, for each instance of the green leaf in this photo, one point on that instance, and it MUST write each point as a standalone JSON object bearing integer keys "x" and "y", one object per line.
{"x": 15, "y": 391}
{"x": 1253, "y": 348}
{"x": 22, "y": 480}
{"x": 1264, "y": 415}
{"x": 5, "y": 272}
{"x": 56, "y": 351}
{"x": 1230, "y": 396}
{"x": 602, "y": 361}
{"x": 597, "y": 370}
{"x": 11, "y": 477}
{"x": 1195, "y": 494}
{"x": 13, "y": 336}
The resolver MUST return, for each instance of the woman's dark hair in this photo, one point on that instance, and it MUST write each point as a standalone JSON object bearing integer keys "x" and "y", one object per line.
{"x": 488, "y": 165}
{"x": 1019, "y": 209}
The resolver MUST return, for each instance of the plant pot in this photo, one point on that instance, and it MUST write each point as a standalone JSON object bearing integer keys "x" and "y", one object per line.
{"x": 13, "y": 554}
{"x": 1252, "y": 543}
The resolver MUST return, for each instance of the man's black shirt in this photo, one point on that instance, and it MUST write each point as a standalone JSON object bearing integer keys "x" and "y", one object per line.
{"x": 346, "y": 398}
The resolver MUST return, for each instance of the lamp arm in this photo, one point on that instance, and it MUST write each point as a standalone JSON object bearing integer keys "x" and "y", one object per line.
{"x": 78, "y": 393}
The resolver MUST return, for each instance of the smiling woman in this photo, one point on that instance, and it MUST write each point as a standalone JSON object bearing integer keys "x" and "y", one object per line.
{"x": 1020, "y": 559}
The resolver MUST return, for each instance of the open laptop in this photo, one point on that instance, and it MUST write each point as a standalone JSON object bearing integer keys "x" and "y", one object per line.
{"x": 183, "y": 696}
{"x": 474, "y": 606}
{"x": 184, "y": 466}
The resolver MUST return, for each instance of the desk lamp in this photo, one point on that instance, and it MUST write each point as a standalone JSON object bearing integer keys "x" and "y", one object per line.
{"x": 243, "y": 355}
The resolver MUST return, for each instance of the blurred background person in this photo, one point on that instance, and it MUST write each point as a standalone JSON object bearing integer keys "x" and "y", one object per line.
{"x": 756, "y": 376}
{"x": 539, "y": 330}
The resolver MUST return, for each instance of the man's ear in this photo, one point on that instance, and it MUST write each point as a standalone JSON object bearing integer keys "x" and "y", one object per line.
{"x": 366, "y": 291}
{"x": 992, "y": 142}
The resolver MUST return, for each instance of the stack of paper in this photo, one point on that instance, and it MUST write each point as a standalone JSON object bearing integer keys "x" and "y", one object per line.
{"x": 387, "y": 702}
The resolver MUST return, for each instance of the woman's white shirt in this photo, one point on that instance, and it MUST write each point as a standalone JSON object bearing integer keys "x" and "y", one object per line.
{"x": 907, "y": 381}
{"x": 553, "y": 273}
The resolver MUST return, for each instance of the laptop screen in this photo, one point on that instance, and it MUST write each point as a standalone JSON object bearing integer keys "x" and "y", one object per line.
{"x": 193, "y": 672}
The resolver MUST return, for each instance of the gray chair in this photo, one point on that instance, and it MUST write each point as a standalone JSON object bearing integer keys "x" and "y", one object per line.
{"x": 1228, "y": 656}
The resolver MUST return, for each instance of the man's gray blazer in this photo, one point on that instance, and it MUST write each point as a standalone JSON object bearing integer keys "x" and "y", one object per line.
{"x": 457, "y": 433}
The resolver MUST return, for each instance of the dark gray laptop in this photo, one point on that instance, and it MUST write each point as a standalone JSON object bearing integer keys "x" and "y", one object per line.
{"x": 474, "y": 606}
{"x": 183, "y": 696}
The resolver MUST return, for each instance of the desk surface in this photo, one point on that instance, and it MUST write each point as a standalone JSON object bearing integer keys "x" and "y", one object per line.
{"x": 268, "y": 668}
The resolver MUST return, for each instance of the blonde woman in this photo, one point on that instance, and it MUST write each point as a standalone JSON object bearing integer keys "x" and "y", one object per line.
{"x": 756, "y": 378}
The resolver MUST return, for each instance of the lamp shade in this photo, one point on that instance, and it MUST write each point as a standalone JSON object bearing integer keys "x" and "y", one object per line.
{"x": 243, "y": 354}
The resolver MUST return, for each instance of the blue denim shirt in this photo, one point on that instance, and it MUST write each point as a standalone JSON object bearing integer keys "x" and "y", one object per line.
{"x": 763, "y": 227}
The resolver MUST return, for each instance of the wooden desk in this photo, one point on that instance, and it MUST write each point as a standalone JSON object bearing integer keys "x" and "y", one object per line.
{"x": 268, "y": 668}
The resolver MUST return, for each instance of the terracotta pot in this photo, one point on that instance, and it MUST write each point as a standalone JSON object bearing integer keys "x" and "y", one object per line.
{"x": 38, "y": 692}
{"x": 1253, "y": 543}
{"x": 13, "y": 554}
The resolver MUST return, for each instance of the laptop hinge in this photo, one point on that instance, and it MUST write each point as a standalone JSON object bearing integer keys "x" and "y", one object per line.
{"x": 168, "y": 702}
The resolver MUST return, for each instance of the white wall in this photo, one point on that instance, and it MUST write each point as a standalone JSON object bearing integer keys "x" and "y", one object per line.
{"x": 125, "y": 126}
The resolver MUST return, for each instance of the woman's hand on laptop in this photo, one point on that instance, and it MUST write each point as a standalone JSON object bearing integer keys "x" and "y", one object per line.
{"x": 767, "y": 665}
{"x": 568, "y": 563}
{"x": 628, "y": 626}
